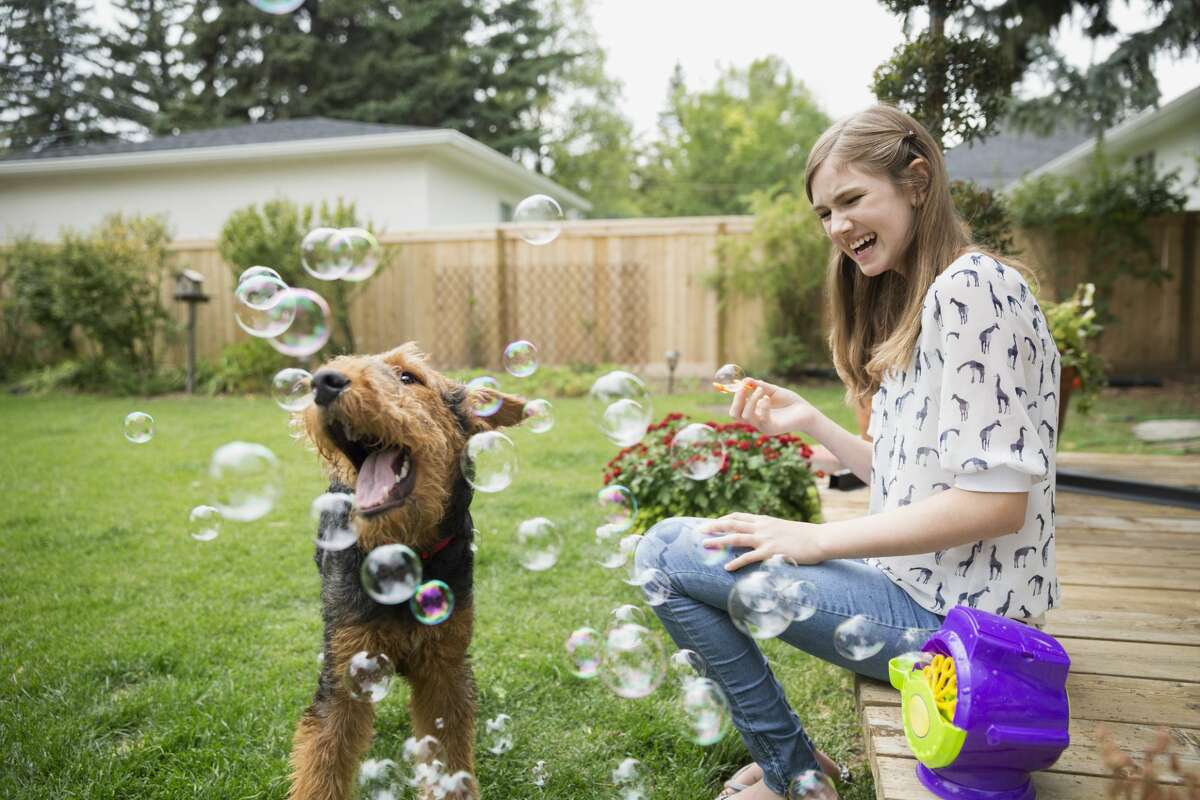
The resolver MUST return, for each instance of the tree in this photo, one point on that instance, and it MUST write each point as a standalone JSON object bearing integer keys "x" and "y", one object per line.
{"x": 46, "y": 52}
{"x": 751, "y": 131}
{"x": 472, "y": 65}
{"x": 589, "y": 145}
{"x": 958, "y": 75}
{"x": 147, "y": 77}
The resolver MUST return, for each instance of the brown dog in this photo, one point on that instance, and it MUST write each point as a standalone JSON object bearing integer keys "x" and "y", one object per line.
{"x": 391, "y": 431}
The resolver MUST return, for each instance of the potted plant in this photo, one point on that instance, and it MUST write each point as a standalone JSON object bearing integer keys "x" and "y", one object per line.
{"x": 1072, "y": 322}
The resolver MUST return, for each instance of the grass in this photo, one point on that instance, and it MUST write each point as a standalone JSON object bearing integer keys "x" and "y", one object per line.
{"x": 136, "y": 662}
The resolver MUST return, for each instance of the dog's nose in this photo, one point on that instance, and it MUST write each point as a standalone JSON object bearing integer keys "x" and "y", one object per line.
{"x": 328, "y": 384}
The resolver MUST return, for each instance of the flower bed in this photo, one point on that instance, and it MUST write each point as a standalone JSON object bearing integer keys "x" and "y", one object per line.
{"x": 760, "y": 474}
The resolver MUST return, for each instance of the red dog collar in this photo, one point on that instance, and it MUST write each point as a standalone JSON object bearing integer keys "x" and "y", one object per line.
{"x": 437, "y": 548}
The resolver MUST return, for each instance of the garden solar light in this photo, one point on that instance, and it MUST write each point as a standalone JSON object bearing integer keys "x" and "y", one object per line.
{"x": 984, "y": 705}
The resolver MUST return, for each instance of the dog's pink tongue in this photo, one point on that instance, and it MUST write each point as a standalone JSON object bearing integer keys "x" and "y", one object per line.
{"x": 375, "y": 479}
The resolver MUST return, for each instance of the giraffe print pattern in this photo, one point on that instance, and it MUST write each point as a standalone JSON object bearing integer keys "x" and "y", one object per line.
{"x": 976, "y": 407}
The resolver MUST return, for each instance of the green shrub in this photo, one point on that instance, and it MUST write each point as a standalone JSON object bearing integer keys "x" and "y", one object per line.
{"x": 783, "y": 261}
{"x": 760, "y": 475}
{"x": 271, "y": 237}
{"x": 986, "y": 213}
{"x": 93, "y": 299}
{"x": 245, "y": 366}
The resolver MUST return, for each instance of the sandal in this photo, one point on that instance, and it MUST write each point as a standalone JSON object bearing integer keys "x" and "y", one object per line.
{"x": 734, "y": 786}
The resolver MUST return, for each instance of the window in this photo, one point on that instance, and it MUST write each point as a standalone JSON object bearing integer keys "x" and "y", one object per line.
{"x": 1144, "y": 162}
{"x": 506, "y": 211}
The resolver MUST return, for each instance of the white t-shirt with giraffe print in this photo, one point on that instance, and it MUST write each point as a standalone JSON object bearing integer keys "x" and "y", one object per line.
{"x": 977, "y": 408}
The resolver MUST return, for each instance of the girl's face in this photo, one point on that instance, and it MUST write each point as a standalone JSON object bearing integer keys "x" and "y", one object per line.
{"x": 867, "y": 216}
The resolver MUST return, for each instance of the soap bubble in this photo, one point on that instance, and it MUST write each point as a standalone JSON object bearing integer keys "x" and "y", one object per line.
{"x": 380, "y": 779}
{"x": 539, "y": 774}
{"x": 432, "y": 603}
{"x": 540, "y": 219}
{"x": 489, "y": 461}
{"x": 324, "y": 254}
{"x": 631, "y": 781}
{"x": 755, "y": 608}
{"x": 362, "y": 251}
{"x": 423, "y": 750}
{"x": 390, "y": 573}
{"x": 459, "y": 786}
{"x": 811, "y": 785}
{"x": 914, "y": 639}
{"x": 698, "y": 450}
{"x": 256, "y": 271}
{"x": 263, "y": 306}
{"x": 728, "y": 377}
{"x": 369, "y": 676}
{"x": 656, "y": 586}
{"x": 538, "y": 544}
{"x": 858, "y": 638}
{"x": 331, "y": 512}
{"x": 621, "y": 407}
{"x": 540, "y": 415}
{"x": 520, "y": 359}
{"x": 483, "y": 394}
{"x": 625, "y": 614}
{"x": 687, "y": 664}
{"x": 705, "y": 709}
{"x": 625, "y": 548}
{"x": 634, "y": 662}
{"x": 245, "y": 480}
{"x": 618, "y": 506}
{"x": 311, "y": 328}
{"x": 498, "y": 735}
{"x": 428, "y": 777}
{"x": 139, "y": 427}
{"x": 585, "y": 648}
{"x": 712, "y": 556}
{"x": 259, "y": 288}
{"x": 277, "y": 7}
{"x": 204, "y": 523}
{"x": 799, "y": 600}
{"x": 292, "y": 389}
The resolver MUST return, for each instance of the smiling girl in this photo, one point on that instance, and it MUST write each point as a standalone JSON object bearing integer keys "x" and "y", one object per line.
{"x": 953, "y": 352}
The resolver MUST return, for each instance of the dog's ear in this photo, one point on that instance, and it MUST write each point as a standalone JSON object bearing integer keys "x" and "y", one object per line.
{"x": 465, "y": 401}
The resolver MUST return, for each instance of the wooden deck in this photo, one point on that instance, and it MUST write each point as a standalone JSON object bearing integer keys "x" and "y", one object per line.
{"x": 1130, "y": 576}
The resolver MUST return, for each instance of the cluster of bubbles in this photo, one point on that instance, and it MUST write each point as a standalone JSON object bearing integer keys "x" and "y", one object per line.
{"x": 345, "y": 254}
{"x": 295, "y": 321}
{"x": 422, "y": 770}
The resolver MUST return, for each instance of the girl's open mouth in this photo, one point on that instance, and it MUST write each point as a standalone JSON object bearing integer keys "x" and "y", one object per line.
{"x": 863, "y": 244}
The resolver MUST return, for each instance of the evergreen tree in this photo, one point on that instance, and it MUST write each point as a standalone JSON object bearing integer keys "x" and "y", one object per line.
{"x": 146, "y": 79}
{"x": 47, "y": 53}
{"x": 474, "y": 65}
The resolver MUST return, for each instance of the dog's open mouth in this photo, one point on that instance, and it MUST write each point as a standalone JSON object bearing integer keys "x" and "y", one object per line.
{"x": 386, "y": 474}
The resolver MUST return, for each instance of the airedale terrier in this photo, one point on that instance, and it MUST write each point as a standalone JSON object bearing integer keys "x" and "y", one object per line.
{"x": 391, "y": 430}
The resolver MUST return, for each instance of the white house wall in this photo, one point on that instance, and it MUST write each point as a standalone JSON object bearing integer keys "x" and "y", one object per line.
{"x": 458, "y": 196}
{"x": 389, "y": 190}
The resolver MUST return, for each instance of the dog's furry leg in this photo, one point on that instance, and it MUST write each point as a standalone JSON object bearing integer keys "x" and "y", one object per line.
{"x": 443, "y": 687}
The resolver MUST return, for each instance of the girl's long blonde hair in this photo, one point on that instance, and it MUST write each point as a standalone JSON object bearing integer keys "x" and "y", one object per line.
{"x": 875, "y": 322}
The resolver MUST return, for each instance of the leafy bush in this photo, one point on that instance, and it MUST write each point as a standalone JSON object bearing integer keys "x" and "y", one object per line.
{"x": 987, "y": 214}
{"x": 1072, "y": 322}
{"x": 94, "y": 298}
{"x": 783, "y": 261}
{"x": 760, "y": 475}
{"x": 245, "y": 366}
{"x": 271, "y": 237}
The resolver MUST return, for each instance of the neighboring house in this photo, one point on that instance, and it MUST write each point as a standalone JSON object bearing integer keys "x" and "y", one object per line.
{"x": 1164, "y": 139}
{"x": 1002, "y": 158}
{"x": 399, "y": 177}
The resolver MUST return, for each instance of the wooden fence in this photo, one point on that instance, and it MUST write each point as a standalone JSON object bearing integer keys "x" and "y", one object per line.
{"x": 629, "y": 290}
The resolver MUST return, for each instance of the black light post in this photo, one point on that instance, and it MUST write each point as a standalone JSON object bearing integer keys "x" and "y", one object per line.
{"x": 189, "y": 288}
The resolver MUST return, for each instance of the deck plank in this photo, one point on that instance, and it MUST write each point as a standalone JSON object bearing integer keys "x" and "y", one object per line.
{"x": 1130, "y": 575}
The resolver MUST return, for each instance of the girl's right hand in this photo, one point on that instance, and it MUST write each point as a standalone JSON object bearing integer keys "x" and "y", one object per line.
{"x": 771, "y": 409}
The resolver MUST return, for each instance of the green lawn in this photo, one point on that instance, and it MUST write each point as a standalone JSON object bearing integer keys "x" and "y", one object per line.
{"x": 136, "y": 662}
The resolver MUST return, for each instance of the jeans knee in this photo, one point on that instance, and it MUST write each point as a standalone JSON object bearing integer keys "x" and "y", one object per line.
{"x": 661, "y": 536}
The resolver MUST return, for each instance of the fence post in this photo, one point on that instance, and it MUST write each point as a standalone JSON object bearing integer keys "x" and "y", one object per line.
{"x": 1187, "y": 283}
{"x": 602, "y": 348}
{"x": 722, "y": 311}
{"x": 502, "y": 301}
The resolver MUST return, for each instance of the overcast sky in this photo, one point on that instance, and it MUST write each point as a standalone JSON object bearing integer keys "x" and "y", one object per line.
{"x": 833, "y": 47}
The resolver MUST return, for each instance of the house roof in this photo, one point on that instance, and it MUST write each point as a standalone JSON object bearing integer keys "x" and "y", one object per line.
{"x": 1183, "y": 110}
{"x": 256, "y": 133}
{"x": 286, "y": 139}
{"x": 1007, "y": 155}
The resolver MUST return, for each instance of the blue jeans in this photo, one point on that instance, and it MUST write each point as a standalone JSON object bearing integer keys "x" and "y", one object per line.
{"x": 695, "y": 615}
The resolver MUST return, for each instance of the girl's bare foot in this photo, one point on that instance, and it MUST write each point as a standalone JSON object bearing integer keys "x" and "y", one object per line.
{"x": 751, "y": 775}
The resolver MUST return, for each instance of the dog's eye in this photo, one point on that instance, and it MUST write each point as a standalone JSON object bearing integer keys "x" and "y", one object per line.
{"x": 408, "y": 377}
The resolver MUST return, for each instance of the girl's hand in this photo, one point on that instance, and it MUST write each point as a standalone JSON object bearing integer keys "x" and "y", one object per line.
{"x": 770, "y": 408}
{"x": 798, "y": 542}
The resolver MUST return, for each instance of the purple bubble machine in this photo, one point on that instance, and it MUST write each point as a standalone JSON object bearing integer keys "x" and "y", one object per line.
{"x": 984, "y": 705}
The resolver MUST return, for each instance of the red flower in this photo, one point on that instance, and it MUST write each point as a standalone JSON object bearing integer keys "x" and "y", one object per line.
{"x": 1075, "y": 384}
{"x": 820, "y": 473}
{"x": 743, "y": 445}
